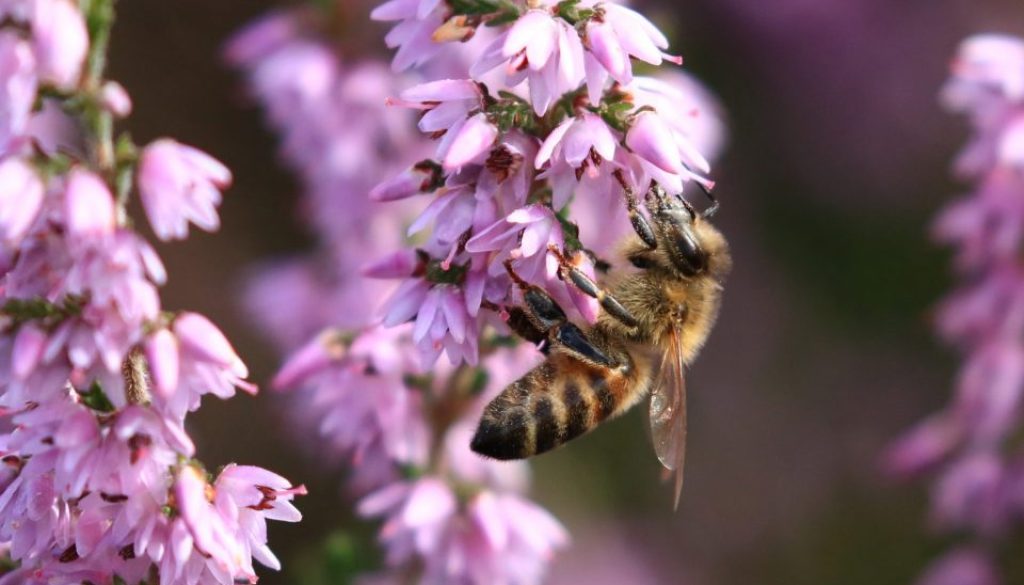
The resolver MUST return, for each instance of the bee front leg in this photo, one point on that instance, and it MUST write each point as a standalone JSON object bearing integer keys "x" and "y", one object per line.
{"x": 568, "y": 272}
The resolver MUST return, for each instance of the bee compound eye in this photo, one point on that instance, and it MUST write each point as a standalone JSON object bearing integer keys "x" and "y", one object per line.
{"x": 689, "y": 257}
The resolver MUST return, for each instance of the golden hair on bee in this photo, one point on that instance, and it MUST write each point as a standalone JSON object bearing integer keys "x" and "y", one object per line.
{"x": 658, "y": 306}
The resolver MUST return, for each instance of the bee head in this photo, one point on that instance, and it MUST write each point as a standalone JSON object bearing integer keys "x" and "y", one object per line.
{"x": 676, "y": 220}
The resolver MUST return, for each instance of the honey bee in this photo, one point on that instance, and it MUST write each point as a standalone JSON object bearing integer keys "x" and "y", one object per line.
{"x": 653, "y": 321}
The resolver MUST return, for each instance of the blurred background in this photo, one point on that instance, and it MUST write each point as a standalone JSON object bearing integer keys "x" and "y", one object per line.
{"x": 838, "y": 160}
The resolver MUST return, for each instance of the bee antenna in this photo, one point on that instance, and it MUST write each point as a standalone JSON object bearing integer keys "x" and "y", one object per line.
{"x": 715, "y": 205}
{"x": 706, "y": 186}
{"x": 689, "y": 208}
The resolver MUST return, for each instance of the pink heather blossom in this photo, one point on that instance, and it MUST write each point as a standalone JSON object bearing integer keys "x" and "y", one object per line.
{"x": 686, "y": 106}
{"x": 447, "y": 106}
{"x": 18, "y": 81}
{"x": 21, "y": 197}
{"x": 191, "y": 359}
{"x": 417, "y": 179}
{"x": 413, "y": 34}
{"x": 180, "y": 184}
{"x": 499, "y": 538}
{"x": 987, "y": 62}
{"x": 358, "y": 397}
{"x": 473, "y": 139}
{"x": 115, "y": 99}
{"x": 924, "y": 447}
{"x": 446, "y": 319}
{"x": 668, "y": 158}
{"x": 206, "y": 355}
{"x": 60, "y": 41}
{"x": 89, "y": 207}
{"x": 577, "y": 140}
{"x": 541, "y": 49}
{"x": 622, "y": 33}
{"x": 525, "y": 236}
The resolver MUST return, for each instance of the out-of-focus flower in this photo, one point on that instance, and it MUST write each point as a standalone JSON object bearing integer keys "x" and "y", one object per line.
{"x": 359, "y": 399}
{"x": 500, "y": 538}
{"x": 961, "y": 567}
{"x": 413, "y": 36}
{"x": 115, "y": 99}
{"x": 968, "y": 445}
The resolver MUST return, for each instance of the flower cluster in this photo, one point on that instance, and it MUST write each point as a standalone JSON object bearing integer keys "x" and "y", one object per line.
{"x": 99, "y": 481}
{"x": 969, "y": 445}
{"x": 406, "y": 431}
{"x": 525, "y": 110}
{"x": 550, "y": 117}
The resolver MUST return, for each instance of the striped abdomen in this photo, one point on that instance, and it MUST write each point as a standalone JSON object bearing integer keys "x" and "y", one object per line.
{"x": 556, "y": 402}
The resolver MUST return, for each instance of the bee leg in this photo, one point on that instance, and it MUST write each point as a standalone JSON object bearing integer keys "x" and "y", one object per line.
{"x": 574, "y": 341}
{"x": 640, "y": 224}
{"x": 543, "y": 311}
{"x": 522, "y": 325}
{"x": 568, "y": 271}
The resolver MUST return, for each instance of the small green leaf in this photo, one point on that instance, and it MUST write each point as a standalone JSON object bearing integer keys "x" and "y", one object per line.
{"x": 474, "y": 7}
{"x": 96, "y": 399}
{"x": 479, "y": 382}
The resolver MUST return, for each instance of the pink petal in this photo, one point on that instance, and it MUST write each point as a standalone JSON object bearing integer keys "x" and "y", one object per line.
{"x": 162, "y": 354}
{"x": 89, "y": 206}
{"x": 476, "y": 137}
{"x": 651, "y": 139}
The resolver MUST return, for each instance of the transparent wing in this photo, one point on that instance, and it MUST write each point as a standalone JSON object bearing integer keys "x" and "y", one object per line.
{"x": 668, "y": 413}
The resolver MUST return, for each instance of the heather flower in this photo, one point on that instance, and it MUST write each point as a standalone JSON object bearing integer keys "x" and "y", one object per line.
{"x": 115, "y": 99}
{"x": 667, "y": 158}
{"x": 18, "y": 81}
{"x": 60, "y": 41}
{"x": 578, "y": 141}
{"x": 686, "y": 106}
{"x": 472, "y": 139}
{"x": 360, "y": 402}
{"x": 621, "y": 33}
{"x": 191, "y": 359}
{"x": 544, "y": 50}
{"x": 180, "y": 184}
{"x": 21, "y": 197}
{"x": 499, "y": 537}
{"x": 413, "y": 36}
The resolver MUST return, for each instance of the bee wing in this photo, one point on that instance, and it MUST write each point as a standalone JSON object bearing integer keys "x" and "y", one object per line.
{"x": 668, "y": 413}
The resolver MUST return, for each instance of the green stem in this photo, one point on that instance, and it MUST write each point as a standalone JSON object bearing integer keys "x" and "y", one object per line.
{"x": 99, "y": 15}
